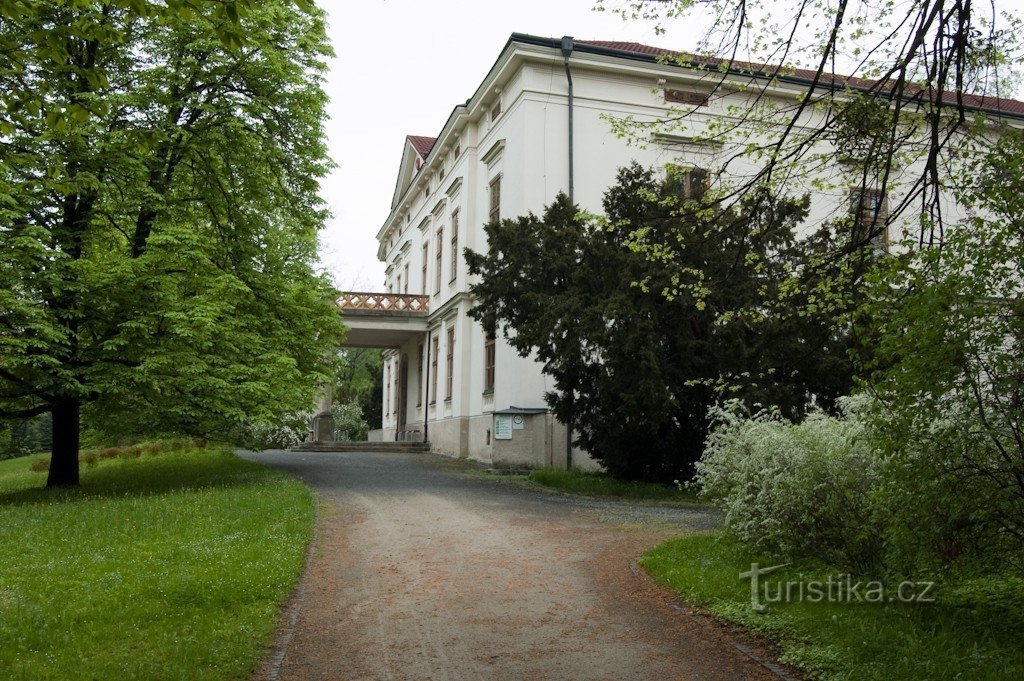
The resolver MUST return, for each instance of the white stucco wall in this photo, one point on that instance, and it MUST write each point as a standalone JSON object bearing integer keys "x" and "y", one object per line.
{"x": 527, "y": 146}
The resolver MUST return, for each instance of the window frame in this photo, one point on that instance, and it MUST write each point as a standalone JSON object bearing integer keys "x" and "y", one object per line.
{"x": 450, "y": 365}
{"x": 426, "y": 259}
{"x": 436, "y": 347}
{"x": 439, "y": 260}
{"x": 419, "y": 381}
{"x": 454, "y": 247}
{"x": 490, "y": 361}
{"x": 681, "y": 181}
{"x": 494, "y": 199}
{"x": 866, "y": 220}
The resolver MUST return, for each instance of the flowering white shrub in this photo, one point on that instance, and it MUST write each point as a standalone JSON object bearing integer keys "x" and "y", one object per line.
{"x": 261, "y": 436}
{"x": 349, "y": 423}
{"x": 802, "y": 490}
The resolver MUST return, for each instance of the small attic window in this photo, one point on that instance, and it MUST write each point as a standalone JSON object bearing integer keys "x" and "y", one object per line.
{"x": 496, "y": 111}
{"x": 458, "y": 150}
{"x": 686, "y": 97}
{"x": 440, "y": 175}
{"x": 419, "y": 163}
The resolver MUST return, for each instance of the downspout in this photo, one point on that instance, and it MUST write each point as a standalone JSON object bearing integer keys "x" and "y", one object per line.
{"x": 567, "y": 47}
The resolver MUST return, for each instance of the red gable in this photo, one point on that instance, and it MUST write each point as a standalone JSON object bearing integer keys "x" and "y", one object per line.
{"x": 422, "y": 145}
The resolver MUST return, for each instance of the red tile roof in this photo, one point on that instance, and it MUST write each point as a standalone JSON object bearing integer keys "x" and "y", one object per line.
{"x": 991, "y": 104}
{"x": 639, "y": 48}
{"x": 422, "y": 145}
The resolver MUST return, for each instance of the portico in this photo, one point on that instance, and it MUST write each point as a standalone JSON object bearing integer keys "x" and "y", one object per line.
{"x": 389, "y": 321}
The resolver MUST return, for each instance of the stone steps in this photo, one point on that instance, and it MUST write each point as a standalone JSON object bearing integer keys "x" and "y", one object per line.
{"x": 399, "y": 447}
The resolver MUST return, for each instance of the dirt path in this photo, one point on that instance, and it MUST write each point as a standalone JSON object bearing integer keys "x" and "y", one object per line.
{"x": 423, "y": 573}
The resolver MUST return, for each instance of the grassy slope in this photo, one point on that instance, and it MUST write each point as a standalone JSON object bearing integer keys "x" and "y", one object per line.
{"x": 973, "y": 632}
{"x": 158, "y": 567}
{"x": 604, "y": 485}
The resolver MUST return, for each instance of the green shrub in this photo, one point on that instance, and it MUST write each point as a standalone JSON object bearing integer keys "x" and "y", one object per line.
{"x": 108, "y": 453}
{"x": 349, "y": 423}
{"x": 944, "y": 498}
{"x": 948, "y": 376}
{"x": 804, "y": 490}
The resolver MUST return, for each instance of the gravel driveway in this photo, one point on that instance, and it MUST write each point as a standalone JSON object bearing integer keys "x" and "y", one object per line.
{"x": 421, "y": 571}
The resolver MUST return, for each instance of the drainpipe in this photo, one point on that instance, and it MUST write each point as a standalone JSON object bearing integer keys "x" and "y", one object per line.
{"x": 567, "y": 47}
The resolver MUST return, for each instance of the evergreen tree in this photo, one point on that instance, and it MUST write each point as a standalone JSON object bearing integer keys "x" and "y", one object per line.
{"x": 647, "y": 316}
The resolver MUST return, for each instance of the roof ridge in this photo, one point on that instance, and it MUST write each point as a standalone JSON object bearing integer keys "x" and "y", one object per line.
{"x": 986, "y": 102}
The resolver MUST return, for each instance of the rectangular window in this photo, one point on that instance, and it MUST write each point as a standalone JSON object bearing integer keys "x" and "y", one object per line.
{"x": 689, "y": 184}
{"x": 406, "y": 289}
{"x": 489, "y": 363}
{"x": 450, "y": 364}
{"x": 495, "y": 211}
{"x": 438, "y": 258}
{"x": 426, "y": 253}
{"x": 870, "y": 210}
{"x": 455, "y": 246}
{"x": 686, "y": 97}
{"x": 398, "y": 392}
{"x": 398, "y": 284}
{"x": 433, "y": 370}
{"x": 419, "y": 382}
{"x": 458, "y": 150}
{"x": 387, "y": 391}
{"x": 496, "y": 111}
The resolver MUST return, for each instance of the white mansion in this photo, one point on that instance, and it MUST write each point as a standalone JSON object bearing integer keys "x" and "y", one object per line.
{"x": 538, "y": 124}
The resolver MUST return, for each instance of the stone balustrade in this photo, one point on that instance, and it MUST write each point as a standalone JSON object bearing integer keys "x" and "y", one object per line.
{"x": 384, "y": 302}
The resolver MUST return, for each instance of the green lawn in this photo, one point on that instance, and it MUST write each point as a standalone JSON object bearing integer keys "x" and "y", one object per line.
{"x": 974, "y": 631}
{"x": 604, "y": 485}
{"x": 159, "y": 567}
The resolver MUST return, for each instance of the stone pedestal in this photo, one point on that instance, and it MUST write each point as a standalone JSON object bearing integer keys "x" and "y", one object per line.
{"x": 323, "y": 428}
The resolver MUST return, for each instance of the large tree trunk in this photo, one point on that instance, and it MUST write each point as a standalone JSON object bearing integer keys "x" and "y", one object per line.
{"x": 64, "y": 460}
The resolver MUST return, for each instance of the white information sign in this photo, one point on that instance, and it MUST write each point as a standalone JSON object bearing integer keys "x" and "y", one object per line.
{"x": 502, "y": 427}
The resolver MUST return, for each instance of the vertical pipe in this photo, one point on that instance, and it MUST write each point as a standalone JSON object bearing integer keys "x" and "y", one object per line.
{"x": 567, "y": 47}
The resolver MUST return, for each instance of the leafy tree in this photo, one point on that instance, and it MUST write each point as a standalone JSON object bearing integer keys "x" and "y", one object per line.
{"x": 926, "y": 68}
{"x": 360, "y": 382}
{"x": 23, "y": 437}
{"x": 948, "y": 372}
{"x": 159, "y": 166}
{"x": 638, "y": 347}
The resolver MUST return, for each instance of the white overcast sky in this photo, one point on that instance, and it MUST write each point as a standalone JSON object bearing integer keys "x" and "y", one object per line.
{"x": 401, "y": 67}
